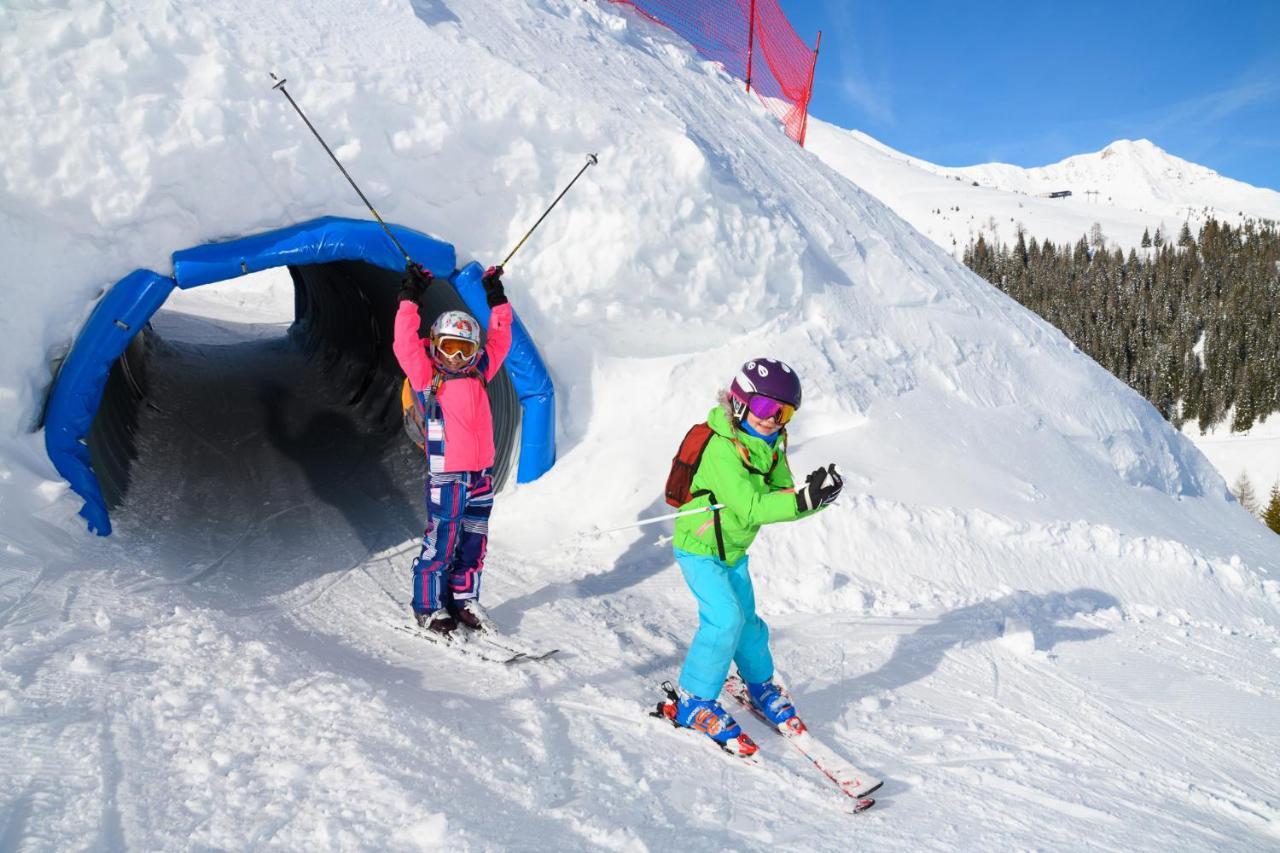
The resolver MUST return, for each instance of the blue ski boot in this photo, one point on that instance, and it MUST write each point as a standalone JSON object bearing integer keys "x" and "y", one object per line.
{"x": 706, "y": 716}
{"x": 772, "y": 701}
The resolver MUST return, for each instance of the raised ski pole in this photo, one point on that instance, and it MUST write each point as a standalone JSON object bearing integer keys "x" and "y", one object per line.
{"x": 280, "y": 85}
{"x": 591, "y": 161}
{"x": 642, "y": 522}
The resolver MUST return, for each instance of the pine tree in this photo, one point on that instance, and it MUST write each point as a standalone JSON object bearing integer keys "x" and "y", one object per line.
{"x": 1243, "y": 490}
{"x": 1272, "y": 516}
{"x": 1146, "y": 239}
{"x": 1184, "y": 237}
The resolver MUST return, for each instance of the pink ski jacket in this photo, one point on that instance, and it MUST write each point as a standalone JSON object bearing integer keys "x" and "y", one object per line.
{"x": 468, "y": 422}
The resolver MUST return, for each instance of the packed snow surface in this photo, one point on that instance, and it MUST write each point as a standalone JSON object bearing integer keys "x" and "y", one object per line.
{"x": 1034, "y": 612}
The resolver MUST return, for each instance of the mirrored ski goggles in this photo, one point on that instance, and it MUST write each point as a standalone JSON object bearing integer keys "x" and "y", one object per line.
{"x": 454, "y": 347}
{"x": 767, "y": 407}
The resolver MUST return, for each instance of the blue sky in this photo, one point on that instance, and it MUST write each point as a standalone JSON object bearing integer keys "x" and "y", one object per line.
{"x": 1032, "y": 82}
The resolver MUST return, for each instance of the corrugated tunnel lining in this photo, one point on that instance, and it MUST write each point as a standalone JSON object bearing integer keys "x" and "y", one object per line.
{"x": 343, "y": 317}
{"x": 111, "y": 440}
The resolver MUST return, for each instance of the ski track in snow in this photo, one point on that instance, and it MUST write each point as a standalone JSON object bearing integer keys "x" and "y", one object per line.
{"x": 147, "y": 722}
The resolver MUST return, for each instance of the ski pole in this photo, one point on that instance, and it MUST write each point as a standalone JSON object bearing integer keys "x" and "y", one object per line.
{"x": 591, "y": 161}
{"x": 285, "y": 92}
{"x": 642, "y": 522}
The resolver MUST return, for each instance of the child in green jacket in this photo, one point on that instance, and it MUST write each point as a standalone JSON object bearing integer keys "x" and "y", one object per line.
{"x": 744, "y": 470}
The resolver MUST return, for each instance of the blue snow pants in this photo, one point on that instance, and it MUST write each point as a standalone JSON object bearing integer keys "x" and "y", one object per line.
{"x": 449, "y": 564}
{"x": 728, "y": 628}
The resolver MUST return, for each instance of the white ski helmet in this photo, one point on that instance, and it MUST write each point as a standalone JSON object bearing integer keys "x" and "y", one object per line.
{"x": 455, "y": 332}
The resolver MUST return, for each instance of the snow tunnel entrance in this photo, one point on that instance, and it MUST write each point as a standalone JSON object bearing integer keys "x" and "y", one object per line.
{"x": 345, "y": 277}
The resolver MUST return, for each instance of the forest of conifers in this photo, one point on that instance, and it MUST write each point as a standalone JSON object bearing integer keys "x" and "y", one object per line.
{"x": 1192, "y": 324}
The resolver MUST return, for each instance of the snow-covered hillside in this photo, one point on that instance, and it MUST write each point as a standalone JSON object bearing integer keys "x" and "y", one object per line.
{"x": 1035, "y": 612}
{"x": 1139, "y": 188}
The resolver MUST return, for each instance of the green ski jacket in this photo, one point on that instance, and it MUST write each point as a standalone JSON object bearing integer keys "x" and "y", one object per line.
{"x": 739, "y": 471}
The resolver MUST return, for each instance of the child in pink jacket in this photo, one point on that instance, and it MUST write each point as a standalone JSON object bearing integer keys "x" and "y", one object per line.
{"x": 448, "y": 373}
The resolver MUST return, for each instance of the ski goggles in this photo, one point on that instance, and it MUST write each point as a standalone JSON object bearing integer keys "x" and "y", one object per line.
{"x": 767, "y": 407}
{"x": 454, "y": 347}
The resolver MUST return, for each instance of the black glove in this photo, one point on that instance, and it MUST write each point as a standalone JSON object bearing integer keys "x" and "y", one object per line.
{"x": 820, "y": 488}
{"x": 492, "y": 281}
{"x": 415, "y": 282}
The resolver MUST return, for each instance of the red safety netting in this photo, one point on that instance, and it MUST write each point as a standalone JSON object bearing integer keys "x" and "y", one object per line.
{"x": 754, "y": 42}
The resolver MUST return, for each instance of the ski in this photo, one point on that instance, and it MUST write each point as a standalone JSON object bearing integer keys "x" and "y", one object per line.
{"x": 508, "y": 644}
{"x": 665, "y": 711}
{"x": 502, "y": 656}
{"x": 728, "y": 755}
{"x": 491, "y": 635}
{"x": 851, "y": 781}
{"x": 746, "y": 749}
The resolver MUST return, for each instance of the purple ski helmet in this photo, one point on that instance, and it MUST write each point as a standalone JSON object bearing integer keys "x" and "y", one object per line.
{"x": 768, "y": 378}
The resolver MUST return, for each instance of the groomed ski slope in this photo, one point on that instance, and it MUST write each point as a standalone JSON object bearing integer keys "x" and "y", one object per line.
{"x": 1035, "y": 612}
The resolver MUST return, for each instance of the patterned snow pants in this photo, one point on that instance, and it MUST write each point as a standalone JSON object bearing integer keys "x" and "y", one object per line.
{"x": 448, "y": 567}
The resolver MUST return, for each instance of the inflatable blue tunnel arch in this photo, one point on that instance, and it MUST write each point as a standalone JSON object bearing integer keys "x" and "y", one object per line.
{"x": 126, "y": 308}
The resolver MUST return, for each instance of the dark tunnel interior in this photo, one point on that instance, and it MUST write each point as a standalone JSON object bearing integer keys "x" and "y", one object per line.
{"x": 343, "y": 314}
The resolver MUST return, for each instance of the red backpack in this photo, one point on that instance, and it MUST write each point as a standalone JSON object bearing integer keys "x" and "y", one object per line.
{"x": 685, "y": 464}
{"x": 687, "y": 458}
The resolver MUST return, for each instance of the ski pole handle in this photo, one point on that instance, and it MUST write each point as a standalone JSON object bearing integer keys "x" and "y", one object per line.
{"x": 642, "y": 522}
{"x": 591, "y": 161}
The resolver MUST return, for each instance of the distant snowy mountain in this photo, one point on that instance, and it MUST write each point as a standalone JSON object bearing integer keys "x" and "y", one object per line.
{"x": 1136, "y": 175}
{"x": 1126, "y": 187}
